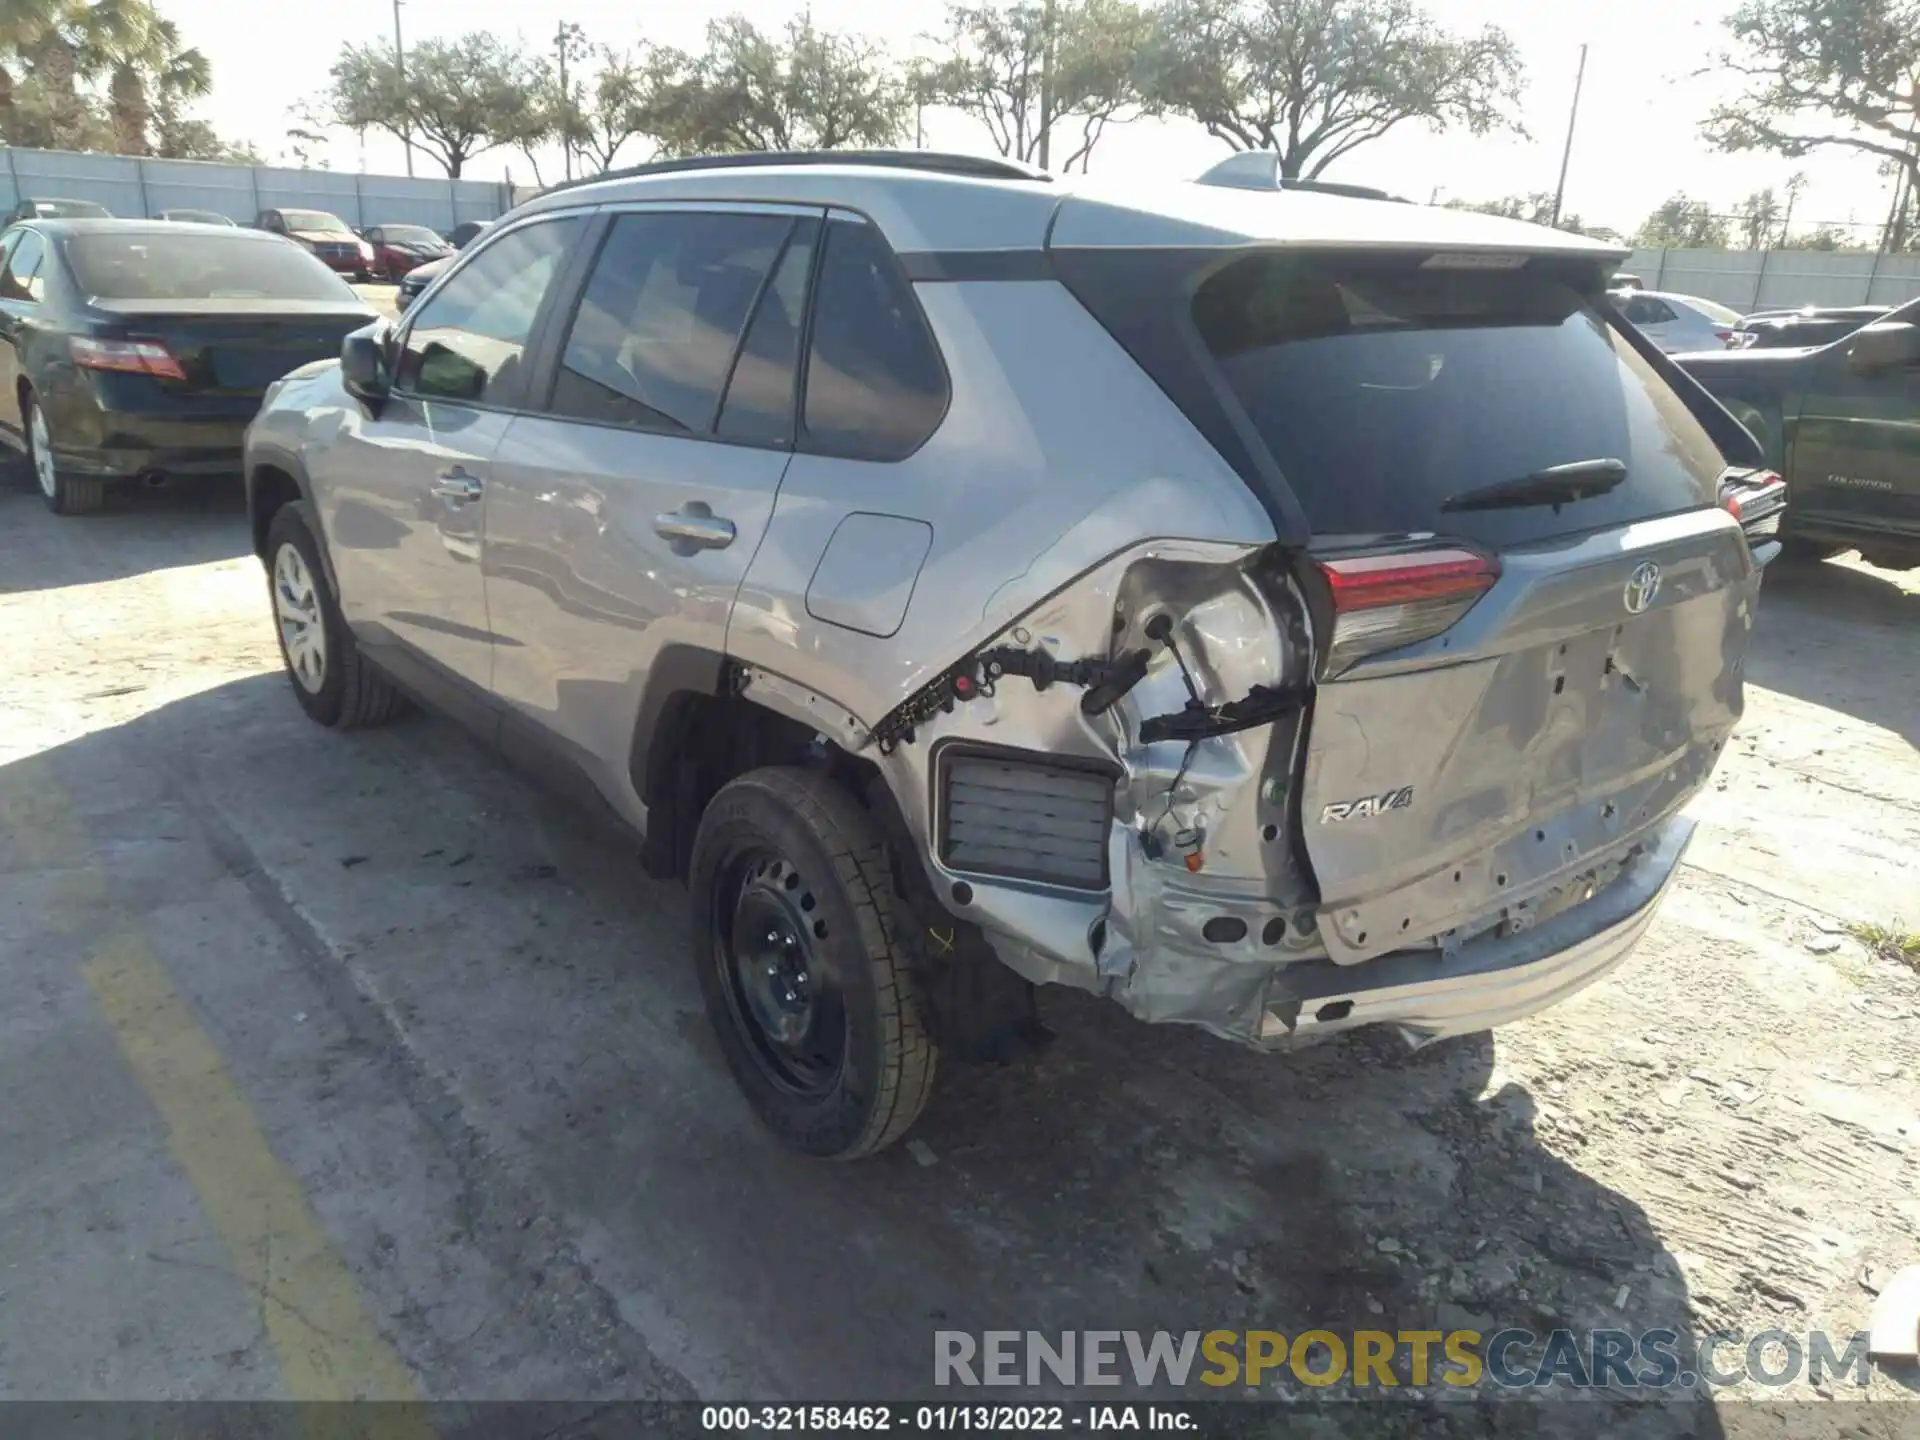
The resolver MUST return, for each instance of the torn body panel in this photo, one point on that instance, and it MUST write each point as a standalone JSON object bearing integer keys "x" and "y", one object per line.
{"x": 1208, "y": 908}
{"x": 1204, "y": 895}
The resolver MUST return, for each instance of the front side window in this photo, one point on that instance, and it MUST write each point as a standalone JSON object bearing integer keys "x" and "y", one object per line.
{"x": 469, "y": 341}
{"x": 875, "y": 386}
{"x": 20, "y": 279}
{"x": 654, "y": 337}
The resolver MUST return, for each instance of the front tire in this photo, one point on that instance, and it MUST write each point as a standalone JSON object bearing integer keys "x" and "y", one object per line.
{"x": 64, "y": 494}
{"x": 330, "y": 678}
{"x": 804, "y": 974}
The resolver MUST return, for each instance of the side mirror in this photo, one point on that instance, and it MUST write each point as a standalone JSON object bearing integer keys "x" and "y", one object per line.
{"x": 1883, "y": 345}
{"x": 363, "y": 366}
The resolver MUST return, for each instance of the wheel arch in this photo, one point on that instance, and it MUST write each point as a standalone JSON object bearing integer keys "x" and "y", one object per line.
{"x": 276, "y": 479}
{"x": 705, "y": 719}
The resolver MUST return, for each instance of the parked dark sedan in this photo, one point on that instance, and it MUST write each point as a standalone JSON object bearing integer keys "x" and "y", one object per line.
{"x": 139, "y": 349}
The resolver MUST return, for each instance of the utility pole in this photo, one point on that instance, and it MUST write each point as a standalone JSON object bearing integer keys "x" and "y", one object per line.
{"x": 1560, "y": 190}
{"x": 400, "y": 66}
{"x": 1795, "y": 185}
{"x": 1046, "y": 82}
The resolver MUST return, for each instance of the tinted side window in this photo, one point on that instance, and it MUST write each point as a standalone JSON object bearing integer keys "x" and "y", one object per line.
{"x": 655, "y": 334}
{"x": 759, "y": 403}
{"x": 467, "y": 342}
{"x": 876, "y": 388}
{"x": 20, "y": 280}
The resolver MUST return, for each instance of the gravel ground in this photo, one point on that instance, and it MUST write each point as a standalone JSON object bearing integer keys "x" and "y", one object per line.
{"x": 466, "y": 1033}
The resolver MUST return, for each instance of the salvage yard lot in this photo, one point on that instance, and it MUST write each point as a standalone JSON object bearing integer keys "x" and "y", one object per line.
{"x": 343, "y": 1063}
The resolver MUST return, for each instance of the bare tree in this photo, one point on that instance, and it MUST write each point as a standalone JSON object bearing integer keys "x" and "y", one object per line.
{"x": 1824, "y": 74}
{"x": 460, "y": 97}
{"x": 1317, "y": 79}
{"x": 1077, "y": 58}
{"x": 810, "y": 89}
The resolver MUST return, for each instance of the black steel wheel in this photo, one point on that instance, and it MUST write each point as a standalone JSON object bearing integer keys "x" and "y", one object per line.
{"x": 801, "y": 968}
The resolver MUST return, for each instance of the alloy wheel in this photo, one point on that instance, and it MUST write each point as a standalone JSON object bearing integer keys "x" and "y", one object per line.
{"x": 303, "y": 630}
{"x": 43, "y": 470}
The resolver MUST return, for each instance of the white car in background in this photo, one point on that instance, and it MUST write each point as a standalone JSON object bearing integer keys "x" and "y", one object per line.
{"x": 1678, "y": 323}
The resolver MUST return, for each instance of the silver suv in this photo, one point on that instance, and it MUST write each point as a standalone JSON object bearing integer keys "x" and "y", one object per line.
{"x": 1276, "y": 611}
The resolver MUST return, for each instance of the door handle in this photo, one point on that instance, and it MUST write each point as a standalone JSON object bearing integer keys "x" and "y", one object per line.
{"x": 694, "y": 527}
{"x": 457, "y": 485}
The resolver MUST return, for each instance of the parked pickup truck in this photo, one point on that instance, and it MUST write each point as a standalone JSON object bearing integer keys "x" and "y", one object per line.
{"x": 1842, "y": 423}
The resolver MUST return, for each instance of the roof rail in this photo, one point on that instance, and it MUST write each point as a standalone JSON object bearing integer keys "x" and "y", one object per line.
{"x": 973, "y": 166}
{"x": 1260, "y": 170}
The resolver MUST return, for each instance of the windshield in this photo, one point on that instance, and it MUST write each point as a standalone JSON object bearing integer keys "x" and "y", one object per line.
{"x": 314, "y": 220}
{"x": 198, "y": 266}
{"x": 70, "y": 210}
{"x": 1382, "y": 389}
{"x": 410, "y": 235}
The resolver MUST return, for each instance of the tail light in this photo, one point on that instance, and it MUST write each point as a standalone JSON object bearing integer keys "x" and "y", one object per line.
{"x": 1725, "y": 337}
{"x": 138, "y": 357}
{"x": 1757, "y": 499}
{"x": 1383, "y": 601}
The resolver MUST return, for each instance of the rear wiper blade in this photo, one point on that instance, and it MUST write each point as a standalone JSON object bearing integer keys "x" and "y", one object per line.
{"x": 1555, "y": 486}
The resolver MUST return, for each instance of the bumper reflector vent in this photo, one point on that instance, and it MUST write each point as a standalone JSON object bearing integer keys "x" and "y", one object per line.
{"x": 1026, "y": 819}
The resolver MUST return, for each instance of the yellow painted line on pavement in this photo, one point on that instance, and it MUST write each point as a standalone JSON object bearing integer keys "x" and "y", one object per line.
{"x": 327, "y": 1345}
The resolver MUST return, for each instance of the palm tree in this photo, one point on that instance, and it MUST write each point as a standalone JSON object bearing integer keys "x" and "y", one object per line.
{"x": 148, "y": 71}
{"x": 59, "y": 43}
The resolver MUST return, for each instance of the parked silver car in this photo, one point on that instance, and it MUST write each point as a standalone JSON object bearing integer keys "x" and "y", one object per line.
{"x": 1277, "y": 612}
{"x": 1679, "y": 324}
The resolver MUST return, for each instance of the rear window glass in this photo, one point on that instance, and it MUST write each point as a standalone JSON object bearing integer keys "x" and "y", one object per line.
{"x": 199, "y": 266}
{"x": 1382, "y": 389}
{"x": 876, "y": 388}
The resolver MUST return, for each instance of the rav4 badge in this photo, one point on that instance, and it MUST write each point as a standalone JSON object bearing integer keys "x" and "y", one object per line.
{"x": 1367, "y": 806}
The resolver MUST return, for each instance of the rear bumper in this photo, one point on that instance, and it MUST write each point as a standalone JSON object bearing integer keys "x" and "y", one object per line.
{"x": 132, "y": 448}
{"x": 1488, "y": 982}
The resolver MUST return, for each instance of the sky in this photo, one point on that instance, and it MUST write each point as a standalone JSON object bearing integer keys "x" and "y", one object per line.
{"x": 1637, "y": 142}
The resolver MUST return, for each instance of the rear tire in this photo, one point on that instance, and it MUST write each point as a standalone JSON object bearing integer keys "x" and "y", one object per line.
{"x": 63, "y": 494}
{"x": 331, "y": 679}
{"x": 804, "y": 974}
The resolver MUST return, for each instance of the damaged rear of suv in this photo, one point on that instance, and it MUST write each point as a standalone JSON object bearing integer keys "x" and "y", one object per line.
{"x": 1277, "y": 612}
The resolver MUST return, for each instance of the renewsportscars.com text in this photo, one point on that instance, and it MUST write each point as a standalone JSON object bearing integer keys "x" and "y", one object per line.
{"x": 1384, "y": 1359}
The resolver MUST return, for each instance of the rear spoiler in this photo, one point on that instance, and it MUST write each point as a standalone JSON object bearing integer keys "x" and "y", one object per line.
{"x": 1736, "y": 442}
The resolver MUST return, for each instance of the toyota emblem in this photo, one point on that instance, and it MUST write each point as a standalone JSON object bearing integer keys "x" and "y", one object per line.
{"x": 1642, "y": 586}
